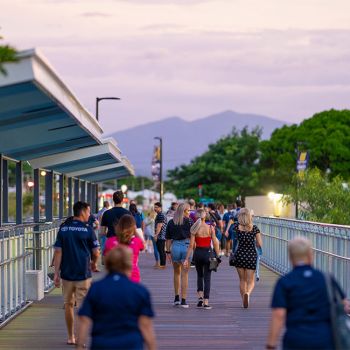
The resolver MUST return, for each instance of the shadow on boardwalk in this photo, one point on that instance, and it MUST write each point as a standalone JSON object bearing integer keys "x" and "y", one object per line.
{"x": 226, "y": 326}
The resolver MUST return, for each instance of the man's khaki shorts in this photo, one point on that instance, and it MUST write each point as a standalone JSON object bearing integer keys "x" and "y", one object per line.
{"x": 75, "y": 291}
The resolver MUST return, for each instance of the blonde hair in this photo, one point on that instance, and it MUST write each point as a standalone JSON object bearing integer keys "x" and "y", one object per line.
{"x": 299, "y": 248}
{"x": 245, "y": 219}
{"x": 179, "y": 213}
{"x": 200, "y": 215}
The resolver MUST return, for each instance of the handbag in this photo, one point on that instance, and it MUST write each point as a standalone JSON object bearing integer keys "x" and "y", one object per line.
{"x": 213, "y": 262}
{"x": 340, "y": 321}
{"x": 233, "y": 256}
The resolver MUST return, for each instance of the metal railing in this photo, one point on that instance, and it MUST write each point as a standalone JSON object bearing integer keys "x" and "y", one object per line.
{"x": 331, "y": 246}
{"x": 13, "y": 258}
{"x": 40, "y": 243}
{"x": 22, "y": 248}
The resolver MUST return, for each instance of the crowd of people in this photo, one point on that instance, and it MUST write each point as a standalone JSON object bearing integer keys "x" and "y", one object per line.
{"x": 187, "y": 235}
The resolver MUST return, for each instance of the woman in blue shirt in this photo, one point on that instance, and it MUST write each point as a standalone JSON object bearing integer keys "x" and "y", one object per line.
{"x": 119, "y": 311}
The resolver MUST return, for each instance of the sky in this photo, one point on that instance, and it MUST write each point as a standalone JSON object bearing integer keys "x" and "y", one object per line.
{"x": 286, "y": 59}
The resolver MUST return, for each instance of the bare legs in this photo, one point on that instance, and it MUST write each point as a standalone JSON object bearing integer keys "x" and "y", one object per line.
{"x": 180, "y": 277}
{"x": 69, "y": 317}
{"x": 246, "y": 284}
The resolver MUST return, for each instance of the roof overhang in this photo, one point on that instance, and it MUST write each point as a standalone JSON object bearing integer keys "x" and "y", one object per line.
{"x": 39, "y": 115}
{"x": 100, "y": 174}
{"x": 82, "y": 159}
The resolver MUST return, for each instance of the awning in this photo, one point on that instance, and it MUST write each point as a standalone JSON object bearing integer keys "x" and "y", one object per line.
{"x": 81, "y": 159}
{"x": 39, "y": 115}
{"x": 107, "y": 172}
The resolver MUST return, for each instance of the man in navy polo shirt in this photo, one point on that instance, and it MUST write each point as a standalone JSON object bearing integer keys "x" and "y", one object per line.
{"x": 118, "y": 311}
{"x": 300, "y": 303}
{"x": 76, "y": 254}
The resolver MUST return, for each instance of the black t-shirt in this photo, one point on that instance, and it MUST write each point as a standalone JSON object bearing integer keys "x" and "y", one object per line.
{"x": 111, "y": 217}
{"x": 77, "y": 241}
{"x": 179, "y": 232}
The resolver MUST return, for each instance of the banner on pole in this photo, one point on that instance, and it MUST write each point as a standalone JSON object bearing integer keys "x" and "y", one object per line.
{"x": 156, "y": 164}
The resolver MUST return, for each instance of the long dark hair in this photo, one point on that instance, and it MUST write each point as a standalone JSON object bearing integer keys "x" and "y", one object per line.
{"x": 133, "y": 209}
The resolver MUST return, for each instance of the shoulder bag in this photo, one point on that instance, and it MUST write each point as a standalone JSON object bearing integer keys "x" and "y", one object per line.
{"x": 340, "y": 321}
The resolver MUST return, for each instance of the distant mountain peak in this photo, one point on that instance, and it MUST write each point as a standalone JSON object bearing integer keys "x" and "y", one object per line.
{"x": 183, "y": 140}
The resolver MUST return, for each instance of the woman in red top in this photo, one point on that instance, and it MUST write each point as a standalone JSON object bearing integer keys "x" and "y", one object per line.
{"x": 202, "y": 235}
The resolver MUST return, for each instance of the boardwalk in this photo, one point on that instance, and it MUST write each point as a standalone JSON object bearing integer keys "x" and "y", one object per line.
{"x": 226, "y": 326}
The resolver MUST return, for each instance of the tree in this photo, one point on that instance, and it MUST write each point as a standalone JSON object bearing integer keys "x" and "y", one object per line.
{"x": 327, "y": 138}
{"x": 226, "y": 170}
{"x": 7, "y": 54}
{"x": 320, "y": 198}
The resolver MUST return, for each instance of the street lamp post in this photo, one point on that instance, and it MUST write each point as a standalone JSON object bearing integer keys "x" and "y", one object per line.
{"x": 98, "y": 99}
{"x": 161, "y": 168}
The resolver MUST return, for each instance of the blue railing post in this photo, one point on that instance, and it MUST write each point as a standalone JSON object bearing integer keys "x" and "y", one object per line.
{"x": 61, "y": 197}
{"x": 48, "y": 196}
{"x": 70, "y": 196}
{"x": 36, "y": 207}
{"x": 19, "y": 193}
{"x": 5, "y": 193}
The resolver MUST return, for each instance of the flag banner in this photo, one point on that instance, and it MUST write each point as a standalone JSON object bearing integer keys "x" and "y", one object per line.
{"x": 156, "y": 164}
{"x": 303, "y": 161}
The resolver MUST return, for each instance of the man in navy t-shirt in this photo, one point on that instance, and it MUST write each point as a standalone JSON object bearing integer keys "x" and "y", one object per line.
{"x": 111, "y": 216}
{"x": 119, "y": 311}
{"x": 76, "y": 254}
{"x": 300, "y": 303}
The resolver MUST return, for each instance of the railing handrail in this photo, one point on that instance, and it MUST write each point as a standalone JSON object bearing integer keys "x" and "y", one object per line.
{"x": 304, "y": 222}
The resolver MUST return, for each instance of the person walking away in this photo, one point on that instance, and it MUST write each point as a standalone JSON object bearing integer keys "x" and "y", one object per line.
{"x": 228, "y": 233}
{"x": 118, "y": 311}
{"x": 221, "y": 211}
{"x": 234, "y": 220}
{"x": 127, "y": 234}
{"x": 149, "y": 232}
{"x": 300, "y": 303}
{"x": 177, "y": 241}
{"x": 248, "y": 238}
{"x": 171, "y": 211}
{"x": 111, "y": 216}
{"x": 216, "y": 221}
{"x": 202, "y": 235}
{"x": 75, "y": 258}
{"x": 160, "y": 229}
{"x": 102, "y": 236}
{"x": 193, "y": 211}
{"x": 140, "y": 224}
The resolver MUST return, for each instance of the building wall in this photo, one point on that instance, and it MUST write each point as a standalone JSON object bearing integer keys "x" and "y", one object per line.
{"x": 265, "y": 206}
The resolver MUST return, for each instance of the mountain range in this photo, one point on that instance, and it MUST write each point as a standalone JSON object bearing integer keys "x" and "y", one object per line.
{"x": 183, "y": 140}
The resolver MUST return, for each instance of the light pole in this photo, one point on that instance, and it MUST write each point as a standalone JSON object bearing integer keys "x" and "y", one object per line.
{"x": 98, "y": 99}
{"x": 161, "y": 168}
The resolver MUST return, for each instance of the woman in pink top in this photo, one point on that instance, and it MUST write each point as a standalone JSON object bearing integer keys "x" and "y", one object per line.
{"x": 127, "y": 234}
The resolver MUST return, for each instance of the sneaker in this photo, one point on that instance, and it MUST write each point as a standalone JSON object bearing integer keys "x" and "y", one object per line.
{"x": 193, "y": 264}
{"x": 207, "y": 307}
{"x": 184, "y": 304}
{"x": 177, "y": 300}
{"x": 246, "y": 300}
{"x": 200, "y": 303}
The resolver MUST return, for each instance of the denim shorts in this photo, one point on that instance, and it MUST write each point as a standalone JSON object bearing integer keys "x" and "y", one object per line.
{"x": 179, "y": 250}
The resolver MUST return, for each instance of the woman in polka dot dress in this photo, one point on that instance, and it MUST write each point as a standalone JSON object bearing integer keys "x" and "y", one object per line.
{"x": 249, "y": 238}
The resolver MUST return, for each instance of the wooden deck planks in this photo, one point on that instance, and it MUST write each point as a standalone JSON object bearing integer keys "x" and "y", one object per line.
{"x": 226, "y": 326}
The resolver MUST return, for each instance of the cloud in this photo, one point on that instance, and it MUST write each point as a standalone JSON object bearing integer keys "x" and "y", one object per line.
{"x": 95, "y": 14}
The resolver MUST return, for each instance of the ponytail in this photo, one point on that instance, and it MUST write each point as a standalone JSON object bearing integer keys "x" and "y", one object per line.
{"x": 195, "y": 227}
